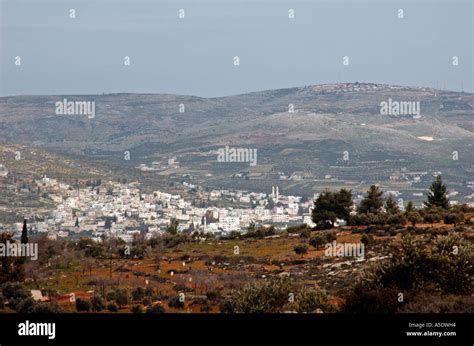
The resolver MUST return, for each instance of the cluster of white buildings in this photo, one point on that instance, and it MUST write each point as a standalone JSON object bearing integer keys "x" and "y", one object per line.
{"x": 121, "y": 210}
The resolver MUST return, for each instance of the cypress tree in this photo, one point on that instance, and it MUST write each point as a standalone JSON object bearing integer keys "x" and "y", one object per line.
{"x": 437, "y": 195}
{"x": 24, "y": 233}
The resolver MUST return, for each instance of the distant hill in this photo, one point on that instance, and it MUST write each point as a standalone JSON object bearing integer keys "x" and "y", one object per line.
{"x": 327, "y": 121}
{"x": 23, "y": 161}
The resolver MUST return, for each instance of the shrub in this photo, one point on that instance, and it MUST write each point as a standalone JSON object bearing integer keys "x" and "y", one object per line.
{"x": 176, "y": 303}
{"x": 12, "y": 290}
{"x": 444, "y": 266}
{"x": 174, "y": 240}
{"x": 138, "y": 251}
{"x": 301, "y": 249}
{"x": 155, "y": 309}
{"x": 227, "y": 307}
{"x": 306, "y": 233}
{"x": 213, "y": 295}
{"x": 261, "y": 232}
{"x": 311, "y": 299}
{"x": 30, "y": 306}
{"x": 362, "y": 219}
{"x": 268, "y": 296}
{"x": 414, "y": 217}
{"x": 298, "y": 229}
{"x": 330, "y": 236}
{"x": 396, "y": 219}
{"x": 147, "y": 301}
{"x": 137, "y": 309}
{"x": 149, "y": 292}
{"x": 15, "y": 293}
{"x": 138, "y": 294}
{"x": 83, "y": 305}
{"x": 206, "y": 308}
{"x": 25, "y": 306}
{"x": 453, "y": 218}
{"x": 432, "y": 218}
{"x": 121, "y": 297}
{"x": 97, "y": 303}
{"x": 381, "y": 219}
{"x": 317, "y": 241}
{"x": 47, "y": 308}
{"x": 112, "y": 307}
{"x": 111, "y": 295}
{"x": 366, "y": 239}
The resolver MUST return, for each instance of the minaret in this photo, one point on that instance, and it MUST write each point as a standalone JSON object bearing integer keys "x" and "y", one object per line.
{"x": 277, "y": 194}
{"x": 273, "y": 192}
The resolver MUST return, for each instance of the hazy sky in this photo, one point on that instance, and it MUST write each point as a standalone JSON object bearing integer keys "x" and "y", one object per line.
{"x": 194, "y": 55}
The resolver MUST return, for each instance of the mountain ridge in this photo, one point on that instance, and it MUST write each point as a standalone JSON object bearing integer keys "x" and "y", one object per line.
{"x": 325, "y": 122}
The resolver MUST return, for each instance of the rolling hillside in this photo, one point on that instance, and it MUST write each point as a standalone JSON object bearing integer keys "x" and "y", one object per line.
{"x": 327, "y": 121}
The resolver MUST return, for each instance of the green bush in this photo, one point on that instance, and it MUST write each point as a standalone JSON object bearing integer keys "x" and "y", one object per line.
{"x": 155, "y": 309}
{"x": 444, "y": 265}
{"x": 396, "y": 219}
{"x": 268, "y": 296}
{"x": 147, "y": 301}
{"x": 432, "y": 218}
{"x": 311, "y": 299}
{"x": 453, "y": 218}
{"x": 414, "y": 217}
{"x": 176, "y": 303}
{"x": 330, "y": 236}
{"x": 366, "y": 239}
{"x": 137, "y": 309}
{"x": 317, "y": 241}
{"x": 14, "y": 293}
{"x": 121, "y": 297}
{"x": 97, "y": 303}
{"x": 138, "y": 293}
{"x": 112, "y": 307}
{"x": 83, "y": 305}
{"x": 301, "y": 249}
{"x": 213, "y": 295}
{"x": 26, "y": 306}
{"x": 274, "y": 296}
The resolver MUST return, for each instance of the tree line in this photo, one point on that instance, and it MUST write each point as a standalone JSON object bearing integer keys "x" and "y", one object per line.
{"x": 330, "y": 207}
